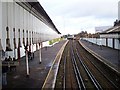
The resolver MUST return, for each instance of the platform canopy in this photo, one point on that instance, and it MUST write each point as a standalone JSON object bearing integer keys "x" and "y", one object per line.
{"x": 113, "y": 32}
{"x": 35, "y": 8}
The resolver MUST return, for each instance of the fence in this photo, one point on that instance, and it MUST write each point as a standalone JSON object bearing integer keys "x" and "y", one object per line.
{"x": 102, "y": 41}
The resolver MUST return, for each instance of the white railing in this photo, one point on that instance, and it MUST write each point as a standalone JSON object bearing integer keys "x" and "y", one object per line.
{"x": 102, "y": 41}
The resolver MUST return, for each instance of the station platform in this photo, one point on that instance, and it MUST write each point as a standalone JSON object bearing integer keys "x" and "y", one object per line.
{"x": 109, "y": 56}
{"x": 38, "y": 72}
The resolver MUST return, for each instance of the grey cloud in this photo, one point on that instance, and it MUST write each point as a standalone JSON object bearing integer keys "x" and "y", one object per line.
{"x": 80, "y": 10}
{"x": 101, "y": 12}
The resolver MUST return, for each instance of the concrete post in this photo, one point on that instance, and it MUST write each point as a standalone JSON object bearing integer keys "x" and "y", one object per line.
{"x": 27, "y": 66}
{"x": 96, "y": 41}
{"x": 18, "y": 52}
{"x": 37, "y": 47}
{"x": 15, "y": 53}
{"x": 113, "y": 43}
{"x": 41, "y": 44}
{"x": 32, "y": 51}
{"x": 106, "y": 41}
{"x": 30, "y": 47}
{"x": 100, "y": 43}
{"x": 40, "y": 53}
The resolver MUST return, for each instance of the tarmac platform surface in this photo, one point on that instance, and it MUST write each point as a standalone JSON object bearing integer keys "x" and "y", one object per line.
{"x": 109, "y": 54}
{"x": 38, "y": 72}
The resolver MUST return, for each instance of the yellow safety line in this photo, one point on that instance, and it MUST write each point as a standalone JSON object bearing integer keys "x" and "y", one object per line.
{"x": 53, "y": 64}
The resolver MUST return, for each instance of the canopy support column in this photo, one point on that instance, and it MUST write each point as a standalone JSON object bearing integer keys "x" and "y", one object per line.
{"x": 40, "y": 58}
{"x": 27, "y": 66}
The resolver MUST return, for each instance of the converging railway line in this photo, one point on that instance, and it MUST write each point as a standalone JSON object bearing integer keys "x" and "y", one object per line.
{"x": 79, "y": 69}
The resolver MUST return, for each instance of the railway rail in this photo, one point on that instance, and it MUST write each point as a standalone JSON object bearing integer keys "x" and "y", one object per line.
{"x": 108, "y": 76}
{"x": 78, "y": 71}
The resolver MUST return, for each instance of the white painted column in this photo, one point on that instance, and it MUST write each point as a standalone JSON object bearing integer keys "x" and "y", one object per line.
{"x": 40, "y": 54}
{"x": 27, "y": 66}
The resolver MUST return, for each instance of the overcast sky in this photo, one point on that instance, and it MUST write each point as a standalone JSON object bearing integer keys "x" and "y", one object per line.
{"x": 72, "y": 16}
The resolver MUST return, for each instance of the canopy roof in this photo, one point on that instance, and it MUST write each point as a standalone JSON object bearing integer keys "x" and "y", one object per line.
{"x": 34, "y": 6}
{"x": 112, "y": 30}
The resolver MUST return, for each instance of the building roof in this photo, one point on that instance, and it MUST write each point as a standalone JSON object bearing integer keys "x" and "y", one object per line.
{"x": 101, "y": 28}
{"x": 112, "y": 30}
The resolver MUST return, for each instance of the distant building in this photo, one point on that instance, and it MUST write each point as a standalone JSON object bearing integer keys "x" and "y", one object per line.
{"x": 112, "y": 35}
{"x": 101, "y": 28}
{"x": 113, "y": 32}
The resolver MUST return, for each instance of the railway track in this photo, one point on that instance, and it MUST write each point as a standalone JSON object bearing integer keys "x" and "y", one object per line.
{"x": 91, "y": 77}
{"x": 105, "y": 78}
{"x": 78, "y": 71}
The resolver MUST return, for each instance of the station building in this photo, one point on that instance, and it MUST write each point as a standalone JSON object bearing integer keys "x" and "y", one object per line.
{"x": 112, "y": 34}
{"x": 112, "y": 37}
